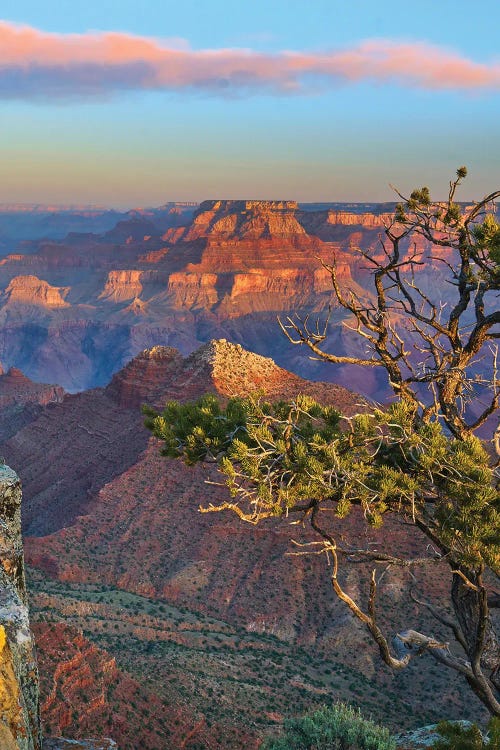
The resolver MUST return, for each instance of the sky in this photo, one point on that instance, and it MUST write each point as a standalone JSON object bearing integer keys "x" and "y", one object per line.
{"x": 121, "y": 103}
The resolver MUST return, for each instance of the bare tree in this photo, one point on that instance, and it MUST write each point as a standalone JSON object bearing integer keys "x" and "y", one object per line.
{"x": 418, "y": 458}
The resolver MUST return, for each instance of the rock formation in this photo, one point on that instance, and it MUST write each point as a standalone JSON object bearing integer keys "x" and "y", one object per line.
{"x": 74, "y": 311}
{"x": 104, "y": 508}
{"x": 233, "y": 219}
{"x": 17, "y": 389}
{"x": 20, "y": 727}
{"x": 34, "y": 291}
{"x": 20, "y": 724}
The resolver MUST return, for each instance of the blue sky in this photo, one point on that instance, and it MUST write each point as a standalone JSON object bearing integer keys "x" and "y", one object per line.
{"x": 334, "y": 138}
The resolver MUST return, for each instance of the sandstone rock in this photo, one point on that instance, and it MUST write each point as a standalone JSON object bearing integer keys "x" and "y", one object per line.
{"x": 20, "y": 725}
{"x": 75, "y": 312}
{"x": 16, "y": 388}
{"x": 19, "y": 700}
{"x": 241, "y": 219}
{"x": 30, "y": 290}
{"x": 123, "y": 285}
{"x": 144, "y": 378}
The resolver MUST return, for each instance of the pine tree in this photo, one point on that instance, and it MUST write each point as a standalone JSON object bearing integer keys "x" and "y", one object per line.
{"x": 418, "y": 458}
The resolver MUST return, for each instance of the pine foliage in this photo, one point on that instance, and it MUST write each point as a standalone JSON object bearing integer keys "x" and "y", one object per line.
{"x": 279, "y": 456}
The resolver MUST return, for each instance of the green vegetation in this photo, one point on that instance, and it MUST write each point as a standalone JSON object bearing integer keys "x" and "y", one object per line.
{"x": 418, "y": 459}
{"x": 337, "y": 728}
{"x": 219, "y": 670}
{"x": 457, "y": 737}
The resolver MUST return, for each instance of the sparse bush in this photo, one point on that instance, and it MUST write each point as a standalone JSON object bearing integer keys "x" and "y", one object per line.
{"x": 459, "y": 737}
{"x": 339, "y": 727}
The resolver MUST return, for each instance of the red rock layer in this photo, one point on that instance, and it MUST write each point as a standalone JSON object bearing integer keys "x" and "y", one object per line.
{"x": 134, "y": 524}
{"x": 16, "y": 388}
{"x": 84, "y": 693}
{"x": 74, "y": 312}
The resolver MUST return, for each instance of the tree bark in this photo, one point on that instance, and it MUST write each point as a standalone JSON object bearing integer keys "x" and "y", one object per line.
{"x": 470, "y": 602}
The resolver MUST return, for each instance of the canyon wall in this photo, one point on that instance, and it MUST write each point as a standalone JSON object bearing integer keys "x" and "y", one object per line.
{"x": 20, "y": 723}
{"x": 74, "y": 311}
{"x": 19, "y": 697}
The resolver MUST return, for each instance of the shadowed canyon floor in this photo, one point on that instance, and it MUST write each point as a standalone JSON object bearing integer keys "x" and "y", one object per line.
{"x": 197, "y": 630}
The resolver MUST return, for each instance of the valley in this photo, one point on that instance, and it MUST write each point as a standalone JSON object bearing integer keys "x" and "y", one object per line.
{"x": 195, "y": 627}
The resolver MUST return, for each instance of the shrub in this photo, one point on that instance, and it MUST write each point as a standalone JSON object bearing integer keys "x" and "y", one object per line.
{"x": 458, "y": 737}
{"x": 339, "y": 727}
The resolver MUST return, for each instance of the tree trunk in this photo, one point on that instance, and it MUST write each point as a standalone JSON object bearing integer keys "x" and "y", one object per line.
{"x": 469, "y": 598}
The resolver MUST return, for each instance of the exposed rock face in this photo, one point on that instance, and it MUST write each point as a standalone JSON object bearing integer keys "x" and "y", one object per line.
{"x": 30, "y": 290}
{"x": 76, "y": 675}
{"x": 96, "y": 435}
{"x": 20, "y": 724}
{"x": 17, "y": 389}
{"x": 74, "y": 312}
{"x": 324, "y": 223}
{"x": 143, "y": 379}
{"x": 423, "y": 737}
{"x": 124, "y": 285}
{"x": 104, "y": 508}
{"x": 229, "y": 219}
{"x": 19, "y": 700}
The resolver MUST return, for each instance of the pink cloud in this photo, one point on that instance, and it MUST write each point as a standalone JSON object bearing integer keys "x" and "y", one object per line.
{"x": 38, "y": 64}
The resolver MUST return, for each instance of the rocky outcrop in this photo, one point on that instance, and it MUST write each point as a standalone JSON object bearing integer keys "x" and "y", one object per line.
{"x": 105, "y": 509}
{"x": 143, "y": 379}
{"x": 20, "y": 722}
{"x": 17, "y": 389}
{"x": 76, "y": 676}
{"x": 325, "y": 224}
{"x": 97, "y": 435}
{"x": 423, "y": 737}
{"x": 233, "y": 219}
{"x": 231, "y": 370}
{"x": 125, "y": 285}
{"x": 74, "y": 312}
{"x": 19, "y": 697}
{"x": 30, "y": 290}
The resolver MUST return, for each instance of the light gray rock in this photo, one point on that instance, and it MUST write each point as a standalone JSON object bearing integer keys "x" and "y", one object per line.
{"x": 423, "y": 737}
{"x": 20, "y": 727}
{"x": 19, "y": 697}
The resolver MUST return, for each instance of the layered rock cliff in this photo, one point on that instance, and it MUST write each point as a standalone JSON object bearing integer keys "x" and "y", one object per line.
{"x": 230, "y": 219}
{"x": 18, "y": 390}
{"x": 74, "y": 312}
{"x": 34, "y": 291}
{"x": 175, "y": 606}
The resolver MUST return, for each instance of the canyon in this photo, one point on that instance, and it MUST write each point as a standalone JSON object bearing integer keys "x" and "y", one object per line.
{"x": 74, "y": 310}
{"x": 154, "y": 621}
{"x": 155, "y": 624}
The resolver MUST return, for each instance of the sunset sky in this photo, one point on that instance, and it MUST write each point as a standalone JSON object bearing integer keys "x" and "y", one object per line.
{"x": 124, "y": 103}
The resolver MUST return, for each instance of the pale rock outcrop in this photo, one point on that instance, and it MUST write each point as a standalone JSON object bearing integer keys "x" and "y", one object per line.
{"x": 129, "y": 284}
{"x": 423, "y": 737}
{"x": 19, "y": 698}
{"x": 30, "y": 290}
{"x": 188, "y": 289}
